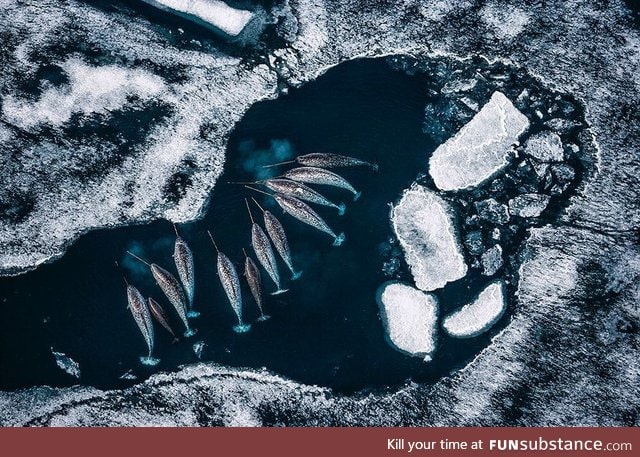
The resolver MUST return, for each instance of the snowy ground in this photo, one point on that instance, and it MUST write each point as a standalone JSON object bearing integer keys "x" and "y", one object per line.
{"x": 577, "y": 290}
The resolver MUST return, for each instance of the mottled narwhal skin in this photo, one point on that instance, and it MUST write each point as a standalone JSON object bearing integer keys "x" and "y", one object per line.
{"x": 140, "y": 312}
{"x": 183, "y": 258}
{"x": 264, "y": 253}
{"x": 304, "y": 213}
{"x": 173, "y": 290}
{"x": 158, "y": 313}
{"x": 299, "y": 190}
{"x": 314, "y": 175}
{"x": 328, "y": 160}
{"x": 279, "y": 239}
{"x": 230, "y": 281}
{"x": 252, "y": 275}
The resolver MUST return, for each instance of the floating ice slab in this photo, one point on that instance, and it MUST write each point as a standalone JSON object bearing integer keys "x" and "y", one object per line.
{"x": 480, "y": 148}
{"x": 545, "y": 146}
{"x": 67, "y": 364}
{"x": 409, "y": 316}
{"x": 214, "y": 12}
{"x": 528, "y": 205}
{"x": 427, "y": 235}
{"x": 477, "y": 317}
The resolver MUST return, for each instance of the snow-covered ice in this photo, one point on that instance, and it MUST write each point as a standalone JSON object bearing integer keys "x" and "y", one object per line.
{"x": 528, "y": 205}
{"x": 491, "y": 260}
{"x": 546, "y": 146}
{"x": 67, "y": 364}
{"x": 409, "y": 316}
{"x": 428, "y": 237}
{"x": 214, "y": 12}
{"x": 90, "y": 90}
{"x": 480, "y": 148}
{"x": 478, "y": 316}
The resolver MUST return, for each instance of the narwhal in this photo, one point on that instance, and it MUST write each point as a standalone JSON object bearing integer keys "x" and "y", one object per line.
{"x": 279, "y": 238}
{"x": 301, "y": 211}
{"x": 328, "y": 160}
{"x": 141, "y": 315}
{"x": 231, "y": 285}
{"x": 172, "y": 289}
{"x": 183, "y": 258}
{"x": 264, "y": 253}
{"x": 252, "y": 275}
{"x": 314, "y": 175}
{"x": 159, "y": 315}
{"x": 302, "y": 192}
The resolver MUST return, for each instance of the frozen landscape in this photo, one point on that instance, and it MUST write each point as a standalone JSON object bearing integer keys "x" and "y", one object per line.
{"x": 513, "y": 244}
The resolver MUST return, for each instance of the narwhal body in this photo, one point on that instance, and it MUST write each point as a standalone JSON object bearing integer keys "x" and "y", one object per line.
{"x": 159, "y": 315}
{"x": 252, "y": 275}
{"x": 314, "y": 175}
{"x": 231, "y": 284}
{"x": 264, "y": 253}
{"x": 183, "y": 258}
{"x": 279, "y": 239}
{"x": 140, "y": 312}
{"x": 304, "y": 213}
{"x": 302, "y": 192}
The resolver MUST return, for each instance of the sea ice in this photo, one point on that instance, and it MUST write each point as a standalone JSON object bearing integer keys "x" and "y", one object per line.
{"x": 409, "y": 316}
{"x": 480, "y": 148}
{"x": 214, "y": 12}
{"x": 491, "y": 260}
{"x": 528, "y": 205}
{"x": 545, "y": 146}
{"x": 477, "y": 317}
{"x": 427, "y": 235}
{"x": 67, "y": 364}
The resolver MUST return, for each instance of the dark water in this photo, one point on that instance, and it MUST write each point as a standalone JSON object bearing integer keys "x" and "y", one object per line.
{"x": 326, "y": 330}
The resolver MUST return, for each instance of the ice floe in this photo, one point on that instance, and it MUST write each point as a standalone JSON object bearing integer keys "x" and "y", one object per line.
{"x": 491, "y": 260}
{"x": 427, "y": 235}
{"x": 409, "y": 316}
{"x": 480, "y": 148}
{"x": 230, "y": 20}
{"x": 478, "y": 316}
{"x": 528, "y": 205}
{"x": 67, "y": 364}
{"x": 546, "y": 146}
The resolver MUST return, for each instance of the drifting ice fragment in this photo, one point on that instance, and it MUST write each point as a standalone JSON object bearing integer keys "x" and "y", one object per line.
{"x": 212, "y": 12}
{"x": 67, "y": 364}
{"x": 480, "y": 148}
{"x": 409, "y": 316}
{"x": 477, "y": 317}
{"x": 528, "y": 205}
{"x": 428, "y": 238}
{"x": 545, "y": 146}
{"x": 491, "y": 260}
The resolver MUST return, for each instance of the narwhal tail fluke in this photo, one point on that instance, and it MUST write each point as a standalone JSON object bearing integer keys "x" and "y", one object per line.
{"x": 190, "y": 332}
{"x": 241, "y": 328}
{"x": 375, "y": 167}
{"x": 263, "y": 318}
{"x": 149, "y": 361}
{"x": 356, "y": 196}
{"x": 341, "y": 209}
{"x": 339, "y": 240}
{"x": 192, "y": 314}
{"x": 295, "y": 274}
{"x": 279, "y": 291}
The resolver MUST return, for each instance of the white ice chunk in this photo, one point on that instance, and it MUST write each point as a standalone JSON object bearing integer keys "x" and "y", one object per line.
{"x": 427, "y": 235}
{"x": 90, "y": 90}
{"x": 545, "y": 146}
{"x": 480, "y": 148}
{"x": 477, "y": 317}
{"x": 67, "y": 364}
{"x": 528, "y": 205}
{"x": 214, "y": 12}
{"x": 491, "y": 260}
{"x": 409, "y": 316}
